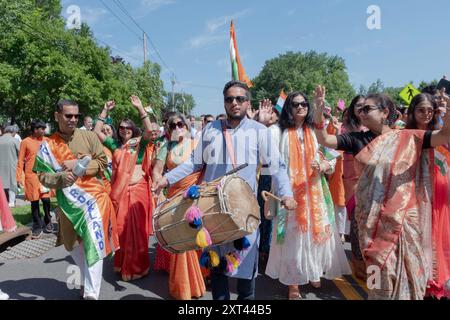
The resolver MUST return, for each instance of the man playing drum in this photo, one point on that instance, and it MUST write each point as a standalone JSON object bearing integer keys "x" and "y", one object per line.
{"x": 224, "y": 146}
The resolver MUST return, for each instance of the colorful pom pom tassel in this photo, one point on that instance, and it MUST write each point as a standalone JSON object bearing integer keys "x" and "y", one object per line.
{"x": 241, "y": 244}
{"x": 203, "y": 238}
{"x": 193, "y": 192}
{"x": 215, "y": 260}
{"x": 233, "y": 261}
{"x": 204, "y": 260}
{"x": 209, "y": 259}
{"x": 193, "y": 216}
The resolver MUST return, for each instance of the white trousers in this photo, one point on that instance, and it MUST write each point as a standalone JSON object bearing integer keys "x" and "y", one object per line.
{"x": 342, "y": 224}
{"x": 90, "y": 276}
{"x": 12, "y": 198}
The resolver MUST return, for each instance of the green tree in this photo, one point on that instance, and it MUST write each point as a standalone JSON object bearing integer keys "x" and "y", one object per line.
{"x": 41, "y": 62}
{"x": 183, "y": 102}
{"x": 297, "y": 71}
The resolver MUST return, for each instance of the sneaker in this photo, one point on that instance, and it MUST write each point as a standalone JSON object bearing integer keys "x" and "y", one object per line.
{"x": 36, "y": 233}
{"x": 48, "y": 228}
{"x": 3, "y": 296}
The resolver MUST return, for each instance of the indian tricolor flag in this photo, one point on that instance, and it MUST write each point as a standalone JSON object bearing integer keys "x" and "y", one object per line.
{"x": 237, "y": 70}
{"x": 80, "y": 206}
{"x": 442, "y": 159}
{"x": 281, "y": 100}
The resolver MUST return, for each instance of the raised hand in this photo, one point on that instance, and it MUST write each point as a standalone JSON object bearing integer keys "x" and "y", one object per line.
{"x": 251, "y": 113}
{"x": 319, "y": 103}
{"x": 109, "y": 105}
{"x": 265, "y": 111}
{"x": 136, "y": 102}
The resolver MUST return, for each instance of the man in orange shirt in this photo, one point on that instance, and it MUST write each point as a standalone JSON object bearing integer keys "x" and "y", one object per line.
{"x": 26, "y": 178}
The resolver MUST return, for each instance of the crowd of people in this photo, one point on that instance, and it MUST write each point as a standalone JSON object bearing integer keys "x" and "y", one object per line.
{"x": 373, "y": 173}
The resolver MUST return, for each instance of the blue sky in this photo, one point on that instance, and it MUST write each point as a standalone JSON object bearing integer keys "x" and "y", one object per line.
{"x": 192, "y": 36}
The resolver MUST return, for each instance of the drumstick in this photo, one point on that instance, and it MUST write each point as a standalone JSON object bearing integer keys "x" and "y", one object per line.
{"x": 264, "y": 194}
{"x": 242, "y": 166}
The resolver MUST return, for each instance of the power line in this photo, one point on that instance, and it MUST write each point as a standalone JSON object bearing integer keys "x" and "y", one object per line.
{"x": 124, "y": 10}
{"x": 123, "y": 53}
{"x": 121, "y": 21}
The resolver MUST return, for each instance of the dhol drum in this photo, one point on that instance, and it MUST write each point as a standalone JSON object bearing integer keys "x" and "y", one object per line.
{"x": 229, "y": 211}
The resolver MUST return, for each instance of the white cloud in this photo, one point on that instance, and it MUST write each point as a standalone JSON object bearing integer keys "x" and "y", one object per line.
{"x": 291, "y": 12}
{"x": 210, "y": 35}
{"x": 153, "y": 5}
{"x": 213, "y": 24}
{"x": 203, "y": 40}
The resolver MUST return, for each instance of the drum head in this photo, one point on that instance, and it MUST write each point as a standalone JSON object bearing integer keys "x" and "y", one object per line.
{"x": 242, "y": 203}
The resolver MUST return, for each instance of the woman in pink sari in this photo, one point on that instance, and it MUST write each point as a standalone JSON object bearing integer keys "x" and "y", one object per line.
{"x": 393, "y": 205}
{"x": 421, "y": 115}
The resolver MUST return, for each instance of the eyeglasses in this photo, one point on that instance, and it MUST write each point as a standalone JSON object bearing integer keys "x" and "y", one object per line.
{"x": 72, "y": 116}
{"x": 303, "y": 104}
{"x": 125, "y": 128}
{"x": 239, "y": 99}
{"x": 425, "y": 110}
{"x": 179, "y": 124}
{"x": 366, "y": 109}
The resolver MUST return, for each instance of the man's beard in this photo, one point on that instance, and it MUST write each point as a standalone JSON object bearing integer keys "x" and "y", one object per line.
{"x": 236, "y": 117}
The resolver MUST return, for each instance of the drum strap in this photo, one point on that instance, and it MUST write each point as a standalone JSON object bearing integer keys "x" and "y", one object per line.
{"x": 229, "y": 144}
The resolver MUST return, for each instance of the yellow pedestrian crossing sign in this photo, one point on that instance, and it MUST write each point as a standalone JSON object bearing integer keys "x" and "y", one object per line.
{"x": 408, "y": 93}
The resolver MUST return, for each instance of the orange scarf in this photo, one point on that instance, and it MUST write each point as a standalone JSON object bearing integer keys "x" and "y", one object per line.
{"x": 307, "y": 185}
{"x": 185, "y": 183}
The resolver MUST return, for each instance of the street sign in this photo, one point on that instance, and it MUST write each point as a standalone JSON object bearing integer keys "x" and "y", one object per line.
{"x": 408, "y": 93}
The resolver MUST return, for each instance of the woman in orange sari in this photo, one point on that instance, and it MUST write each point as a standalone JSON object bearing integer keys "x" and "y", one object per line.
{"x": 421, "y": 115}
{"x": 185, "y": 276}
{"x": 130, "y": 191}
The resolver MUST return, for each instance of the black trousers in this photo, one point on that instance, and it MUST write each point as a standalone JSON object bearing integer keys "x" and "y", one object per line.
{"x": 35, "y": 213}
{"x": 220, "y": 290}
{"x": 7, "y": 194}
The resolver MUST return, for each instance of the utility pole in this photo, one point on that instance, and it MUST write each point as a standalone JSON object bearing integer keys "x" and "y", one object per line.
{"x": 145, "y": 46}
{"x": 172, "y": 80}
{"x": 183, "y": 100}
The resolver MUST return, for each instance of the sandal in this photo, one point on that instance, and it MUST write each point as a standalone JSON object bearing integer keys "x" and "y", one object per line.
{"x": 294, "y": 293}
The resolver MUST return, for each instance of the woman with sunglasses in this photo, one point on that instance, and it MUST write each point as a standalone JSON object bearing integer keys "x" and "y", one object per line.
{"x": 352, "y": 123}
{"x": 305, "y": 243}
{"x": 393, "y": 194}
{"x": 130, "y": 190}
{"x": 185, "y": 276}
{"x": 421, "y": 115}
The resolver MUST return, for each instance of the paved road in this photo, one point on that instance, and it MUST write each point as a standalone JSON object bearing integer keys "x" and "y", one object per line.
{"x": 45, "y": 277}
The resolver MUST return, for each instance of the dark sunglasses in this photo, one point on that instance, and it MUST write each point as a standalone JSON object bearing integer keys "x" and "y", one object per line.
{"x": 425, "y": 110}
{"x": 125, "y": 128}
{"x": 72, "y": 116}
{"x": 367, "y": 108}
{"x": 179, "y": 124}
{"x": 239, "y": 99}
{"x": 304, "y": 104}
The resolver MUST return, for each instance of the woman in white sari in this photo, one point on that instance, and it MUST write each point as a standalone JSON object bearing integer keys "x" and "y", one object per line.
{"x": 305, "y": 243}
